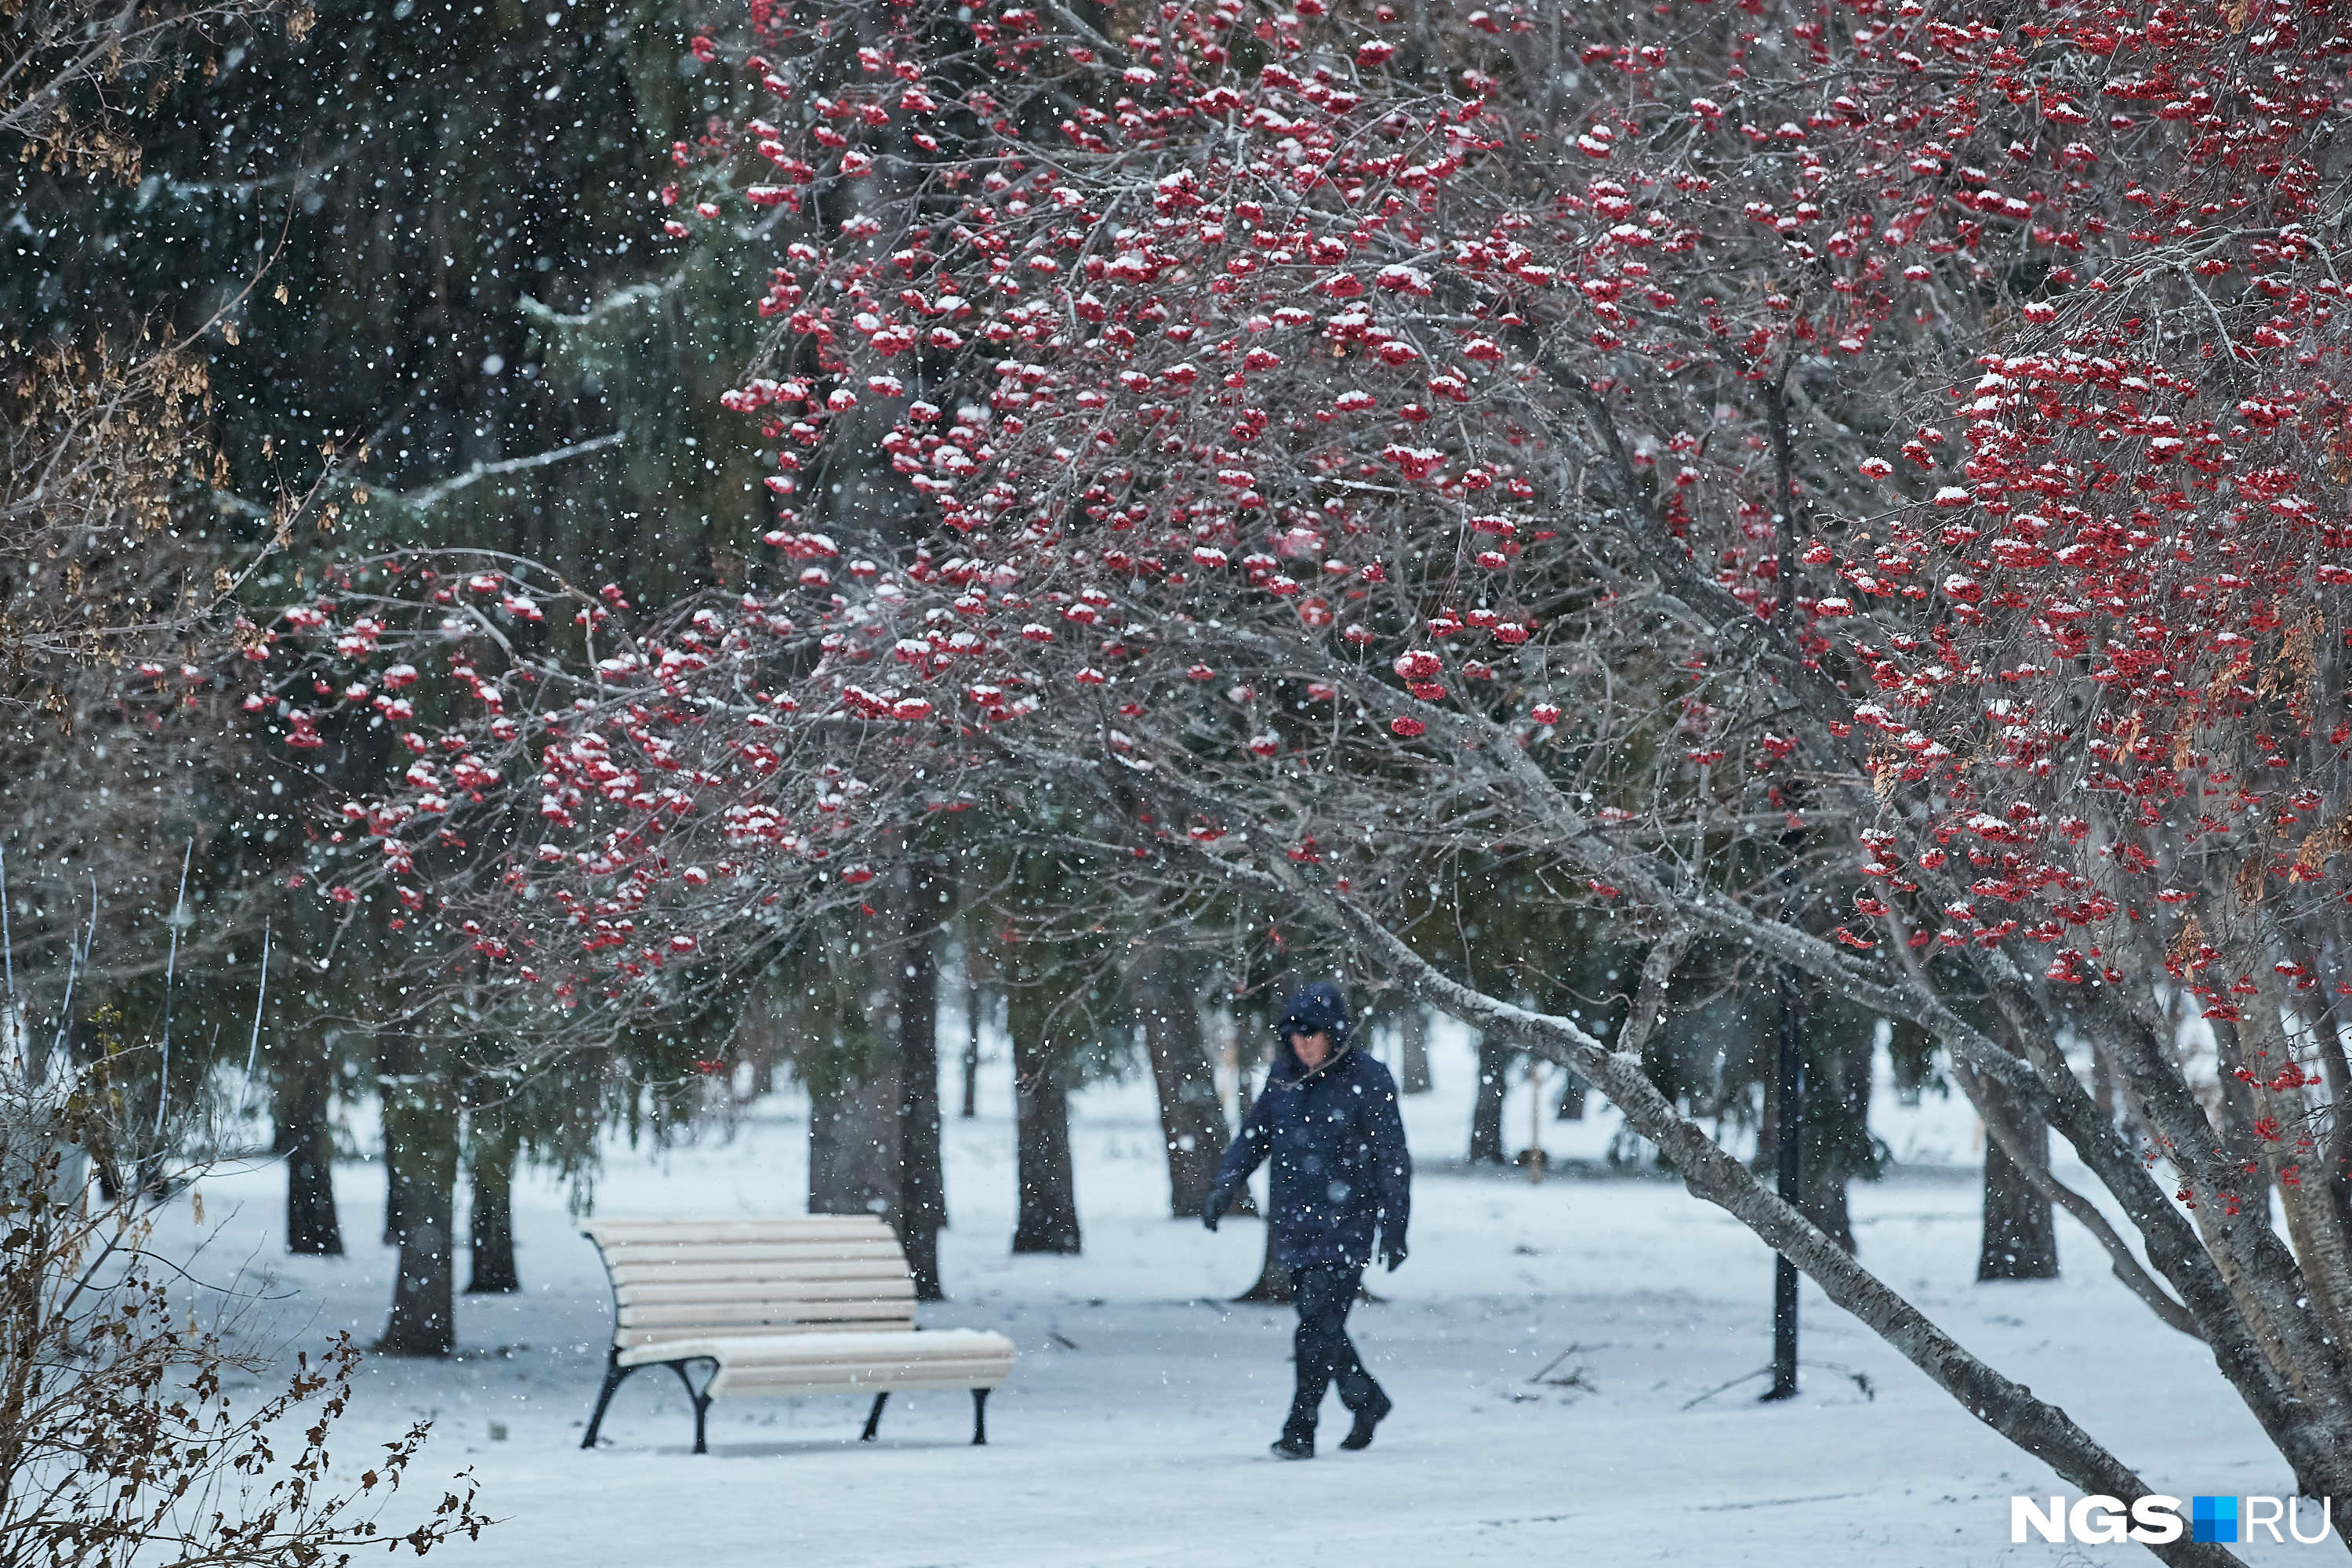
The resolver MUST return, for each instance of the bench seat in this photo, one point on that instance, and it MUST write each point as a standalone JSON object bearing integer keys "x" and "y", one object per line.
{"x": 840, "y": 1364}
{"x": 821, "y": 1304}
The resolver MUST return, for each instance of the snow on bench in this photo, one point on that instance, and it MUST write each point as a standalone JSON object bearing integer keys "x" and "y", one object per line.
{"x": 818, "y": 1304}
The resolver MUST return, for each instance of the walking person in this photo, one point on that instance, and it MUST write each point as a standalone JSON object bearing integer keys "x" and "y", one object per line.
{"x": 1327, "y": 1120}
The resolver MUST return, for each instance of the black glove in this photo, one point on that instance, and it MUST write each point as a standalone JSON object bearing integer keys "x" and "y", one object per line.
{"x": 1213, "y": 1207}
{"x": 1393, "y": 1253}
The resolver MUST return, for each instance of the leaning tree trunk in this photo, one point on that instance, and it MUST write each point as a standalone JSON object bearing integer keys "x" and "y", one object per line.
{"x": 1486, "y": 1110}
{"x": 922, "y": 1188}
{"x": 305, "y": 1140}
{"x": 420, "y": 1136}
{"x": 2020, "y": 1233}
{"x": 1049, "y": 1219}
{"x": 2314, "y": 1224}
{"x": 1713, "y": 1174}
{"x": 2322, "y": 1011}
{"x": 1412, "y": 1049}
{"x": 1191, "y": 1122}
{"x": 492, "y": 1168}
{"x": 2238, "y": 1113}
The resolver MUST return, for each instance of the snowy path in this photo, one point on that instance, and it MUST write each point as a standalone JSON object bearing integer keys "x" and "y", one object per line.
{"x": 1133, "y": 1431}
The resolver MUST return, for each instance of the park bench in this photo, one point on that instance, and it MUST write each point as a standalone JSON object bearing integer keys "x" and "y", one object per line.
{"x": 816, "y": 1304}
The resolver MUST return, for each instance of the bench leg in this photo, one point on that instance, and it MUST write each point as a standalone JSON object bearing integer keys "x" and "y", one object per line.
{"x": 874, "y": 1418}
{"x": 980, "y": 1417}
{"x": 613, "y": 1373}
{"x": 701, "y": 1400}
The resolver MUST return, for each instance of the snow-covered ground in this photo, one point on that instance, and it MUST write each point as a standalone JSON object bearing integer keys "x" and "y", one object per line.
{"x": 1550, "y": 1350}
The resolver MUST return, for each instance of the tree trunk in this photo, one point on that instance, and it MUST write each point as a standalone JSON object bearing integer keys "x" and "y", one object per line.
{"x": 1273, "y": 1286}
{"x": 2020, "y": 1235}
{"x": 854, "y": 1148}
{"x": 305, "y": 1141}
{"x": 1712, "y": 1173}
{"x": 1572, "y": 1095}
{"x": 391, "y": 1195}
{"x": 1837, "y": 1129}
{"x": 923, "y": 1191}
{"x": 1049, "y": 1219}
{"x": 420, "y": 1137}
{"x": 975, "y": 1002}
{"x": 1244, "y": 1204}
{"x": 762, "y": 1052}
{"x": 1191, "y": 1121}
{"x": 1487, "y": 1112}
{"x": 1412, "y": 1049}
{"x": 492, "y": 1169}
{"x": 1825, "y": 1204}
{"x": 2238, "y": 1115}
{"x": 2306, "y": 1205}
{"x": 2233, "y": 1274}
{"x": 2320, "y": 1010}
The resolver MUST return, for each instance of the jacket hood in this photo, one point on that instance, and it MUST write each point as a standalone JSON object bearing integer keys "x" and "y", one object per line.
{"x": 1319, "y": 1007}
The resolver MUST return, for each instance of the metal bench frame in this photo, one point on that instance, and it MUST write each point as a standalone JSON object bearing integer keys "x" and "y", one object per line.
{"x": 616, "y": 1372}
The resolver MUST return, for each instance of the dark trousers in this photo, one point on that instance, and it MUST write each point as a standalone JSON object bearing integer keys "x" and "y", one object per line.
{"x": 1325, "y": 1355}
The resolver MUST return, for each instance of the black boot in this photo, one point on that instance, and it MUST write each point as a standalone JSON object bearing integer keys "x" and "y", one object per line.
{"x": 1296, "y": 1443}
{"x": 1360, "y": 1436}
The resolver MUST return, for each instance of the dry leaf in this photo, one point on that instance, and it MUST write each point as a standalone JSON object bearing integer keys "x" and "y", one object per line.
{"x": 2248, "y": 883}
{"x": 2318, "y": 845}
{"x": 2190, "y": 938}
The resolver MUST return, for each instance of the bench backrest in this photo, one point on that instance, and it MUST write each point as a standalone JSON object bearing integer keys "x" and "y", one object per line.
{"x": 689, "y": 1278}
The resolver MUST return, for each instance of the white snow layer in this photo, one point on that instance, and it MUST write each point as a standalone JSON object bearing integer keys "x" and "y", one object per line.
{"x": 1544, "y": 1346}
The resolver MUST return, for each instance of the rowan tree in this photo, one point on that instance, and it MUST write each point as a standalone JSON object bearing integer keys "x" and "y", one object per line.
{"x": 1858, "y": 483}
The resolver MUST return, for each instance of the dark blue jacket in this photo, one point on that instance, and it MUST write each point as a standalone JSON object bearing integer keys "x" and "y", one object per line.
{"x": 1340, "y": 1170}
